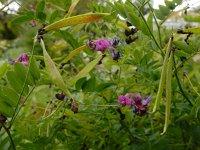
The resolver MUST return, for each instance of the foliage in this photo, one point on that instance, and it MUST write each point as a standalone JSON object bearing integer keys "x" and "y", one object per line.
{"x": 65, "y": 93}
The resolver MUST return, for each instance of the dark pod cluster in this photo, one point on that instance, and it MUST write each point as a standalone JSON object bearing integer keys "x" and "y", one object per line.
{"x": 130, "y": 34}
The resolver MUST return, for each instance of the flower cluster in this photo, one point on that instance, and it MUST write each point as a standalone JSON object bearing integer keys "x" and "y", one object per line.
{"x": 23, "y": 58}
{"x": 136, "y": 101}
{"x": 103, "y": 44}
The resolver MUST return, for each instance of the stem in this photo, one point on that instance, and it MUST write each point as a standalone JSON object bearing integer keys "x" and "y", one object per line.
{"x": 148, "y": 28}
{"x": 9, "y": 134}
{"x": 179, "y": 84}
{"x": 20, "y": 96}
{"x": 158, "y": 27}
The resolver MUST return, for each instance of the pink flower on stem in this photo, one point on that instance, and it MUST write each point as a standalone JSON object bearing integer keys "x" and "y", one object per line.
{"x": 124, "y": 101}
{"x": 23, "y": 58}
{"x": 101, "y": 45}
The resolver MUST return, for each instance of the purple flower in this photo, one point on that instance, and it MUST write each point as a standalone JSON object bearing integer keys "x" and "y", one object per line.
{"x": 140, "y": 104}
{"x": 124, "y": 101}
{"x": 101, "y": 45}
{"x": 23, "y": 58}
{"x": 11, "y": 61}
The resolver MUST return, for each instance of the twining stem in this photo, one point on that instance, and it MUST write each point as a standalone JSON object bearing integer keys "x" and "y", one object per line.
{"x": 9, "y": 135}
{"x": 179, "y": 84}
{"x": 163, "y": 75}
{"x": 168, "y": 92}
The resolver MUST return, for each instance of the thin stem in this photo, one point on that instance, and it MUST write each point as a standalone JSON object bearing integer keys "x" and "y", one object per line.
{"x": 9, "y": 134}
{"x": 179, "y": 84}
{"x": 159, "y": 46}
{"x": 158, "y": 27}
{"x": 24, "y": 85}
{"x": 17, "y": 112}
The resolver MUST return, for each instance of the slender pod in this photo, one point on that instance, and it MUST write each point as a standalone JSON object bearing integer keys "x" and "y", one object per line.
{"x": 168, "y": 92}
{"x": 163, "y": 75}
{"x": 85, "y": 18}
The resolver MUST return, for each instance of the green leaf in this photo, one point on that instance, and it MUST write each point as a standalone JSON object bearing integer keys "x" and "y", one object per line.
{"x": 40, "y": 6}
{"x": 120, "y": 9}
{"x": 5, "y": 109}
{"x": 150, "y": 21}
{"x": 178, "y": 2}
{"x": 70, "y": 39}
{"x": 180, "y": 53}
{"x": 74, "y": 53}
{"x": 16, "y": 83}
{"x": 9, "y": 96}
{"x": 134, "y": 20}
{"x": 103, "y": 86}
{"x": 53, "y": 16}
{"x": 164, "y": 10}
{"x": 42, "y": 16}
{"x": 159, "y": 15}
{"x": 85, "y": 18}
{"x": 86, "y": 70}
{"x": 170, "y": 4}
{"x": 89, "y": 85}
{"x": 79, "y": 83}
{"x": 34, "y": 70}
{"x": 182, "y": 45}
{"x": 23, "y": 18}
{"x": 21, "y": 71}
{"x": 3, "y": 68}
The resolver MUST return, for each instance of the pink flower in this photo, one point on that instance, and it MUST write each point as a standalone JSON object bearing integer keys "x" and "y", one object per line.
{"x": 101, "y": 45}
{"x": 124, "y": 101}
{"x": 23, "y": 58}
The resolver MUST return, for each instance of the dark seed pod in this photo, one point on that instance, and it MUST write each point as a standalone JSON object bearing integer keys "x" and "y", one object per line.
{"x": 3, "y": 118}
{"x": 75, "y": 109}
{"x": 130, "y": 39}
{"x": 60, "y": 96}
{"x": 128, "y": 24}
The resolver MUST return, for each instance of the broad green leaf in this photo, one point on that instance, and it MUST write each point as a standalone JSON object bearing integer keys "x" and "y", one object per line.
{"x": 164, "y": 10}
{"x": 71, "y": 8}
{"x": 168, "y": 92}
{"x": 85, "y": 18}
{"x": 86, "y": 70}
{"x": 16, "y": 83}
{"x": 5, "y": 109}
{"x": 3, "y": 68}
{"x": 8, "y": 95}
{"x": 163, "y": 75}
{"x": 74, "y": 53}
{"x": 21, "y": 71}
{"x": 159, "y": 15}
{"x": 23, "y": 18}
{"x": 70, "y": 39}
{"x": 34, "y": 70}
{"x": 144, "y": 29}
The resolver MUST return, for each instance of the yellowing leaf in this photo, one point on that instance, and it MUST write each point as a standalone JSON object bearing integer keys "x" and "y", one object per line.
{"x": 75, "y": 20}
{"x": 73, "y": 5}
